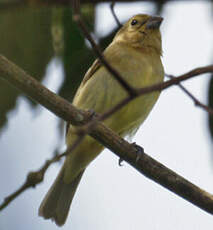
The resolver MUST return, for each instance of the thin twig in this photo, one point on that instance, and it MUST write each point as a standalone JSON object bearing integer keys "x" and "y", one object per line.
{"x": 175, "y": 81}
{"x": 150, "y": 89}
{"x": 112, "y": 6}
{"x": 196, "y": 101}
{"x": 96, "y": 49}
{"x": 34, "y": 178}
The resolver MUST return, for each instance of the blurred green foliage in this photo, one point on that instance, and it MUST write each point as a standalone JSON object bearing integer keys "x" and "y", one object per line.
{"x": 30, "y": 37}
{"x": 26, "y": 40}
{"x": 77, "y": 56}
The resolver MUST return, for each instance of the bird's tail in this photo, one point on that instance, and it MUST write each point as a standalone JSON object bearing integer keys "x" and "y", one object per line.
{"x": 56, "y": 203}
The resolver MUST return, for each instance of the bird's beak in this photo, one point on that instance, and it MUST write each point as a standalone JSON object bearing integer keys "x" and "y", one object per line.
{"x": 154, "y": 22}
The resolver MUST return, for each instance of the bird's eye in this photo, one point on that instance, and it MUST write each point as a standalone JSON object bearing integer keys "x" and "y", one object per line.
{"x": 134, "y": 22}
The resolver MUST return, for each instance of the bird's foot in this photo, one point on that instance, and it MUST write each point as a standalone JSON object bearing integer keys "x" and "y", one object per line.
{"x": 120, "y": 162}
{"x": 139, "y": 150}
{"x": 92, "y": 114}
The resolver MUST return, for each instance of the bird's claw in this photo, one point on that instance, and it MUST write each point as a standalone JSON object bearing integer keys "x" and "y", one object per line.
{"x": 139, "y": 150}
{"x": 120, "y": 162}
{"x": 92, "y": 113}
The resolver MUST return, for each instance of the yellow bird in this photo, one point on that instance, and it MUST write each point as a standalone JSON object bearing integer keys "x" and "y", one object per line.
{"x": 135, "y": 53}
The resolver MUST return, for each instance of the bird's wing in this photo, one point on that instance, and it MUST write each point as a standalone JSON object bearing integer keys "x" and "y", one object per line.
{"x": 95, "y": 66}
{"x": 108, "y": 52}
{"x": 90, "y": 72}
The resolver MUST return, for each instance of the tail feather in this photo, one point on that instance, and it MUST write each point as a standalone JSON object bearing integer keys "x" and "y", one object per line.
{"x": 56, "y": 203}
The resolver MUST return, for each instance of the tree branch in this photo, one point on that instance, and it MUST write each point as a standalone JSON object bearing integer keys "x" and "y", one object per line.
{"x": 161, "y": 86}
{"x": 194, "y": 99}
{"x": 144, "y": 164}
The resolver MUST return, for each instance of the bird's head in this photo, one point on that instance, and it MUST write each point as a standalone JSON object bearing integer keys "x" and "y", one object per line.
{"x": 141, "y": 31}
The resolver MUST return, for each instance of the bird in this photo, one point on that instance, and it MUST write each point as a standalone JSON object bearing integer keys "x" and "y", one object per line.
{"x": 135, "y": 53}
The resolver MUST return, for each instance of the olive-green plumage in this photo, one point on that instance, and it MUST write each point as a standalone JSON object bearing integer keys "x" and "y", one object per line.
{"x": 135, "y": 53}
